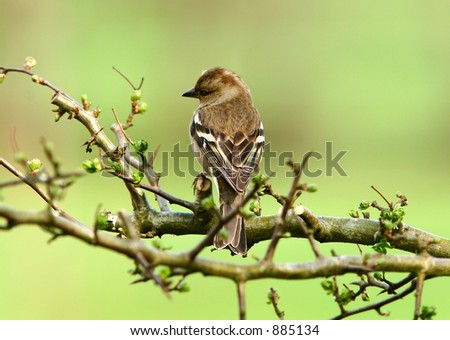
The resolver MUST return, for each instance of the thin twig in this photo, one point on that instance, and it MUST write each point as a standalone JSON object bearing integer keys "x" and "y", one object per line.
{"x": 128, "y": 80}
{"x": 39, "y": 80}
{"x": 383, "y": 197}
{"x": 274, "y": 298}
{"x": 287, "y": 205}
{"x": 32, "y": 184}
{"x": 158, "y": 191}
{"x": 377, "y": 306}
{"x": 119, "y": 124}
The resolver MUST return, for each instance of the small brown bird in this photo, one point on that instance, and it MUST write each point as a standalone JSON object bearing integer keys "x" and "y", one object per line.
{"x": 228, "y": 139}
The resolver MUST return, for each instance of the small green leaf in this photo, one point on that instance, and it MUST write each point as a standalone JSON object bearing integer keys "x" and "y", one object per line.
{"x": 137, "y": 177}
{"x": 92, "y": 166}
{"x": 353, "y": 213}
{"x": 346, "y": 296}
{"x": 363, "y": 205}
{"x": 382, "y": 246}
{"x": 427, "y": 312}
{"x": 328, "y": 286}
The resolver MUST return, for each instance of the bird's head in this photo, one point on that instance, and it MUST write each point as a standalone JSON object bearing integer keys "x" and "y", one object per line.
{"x": 218, "y": 85}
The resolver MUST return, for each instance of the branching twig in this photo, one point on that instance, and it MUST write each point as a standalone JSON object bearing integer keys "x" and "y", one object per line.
{"x": 287, "y": 205}
{"x": 274, "y": 298}
{"x": 377, "y": 306}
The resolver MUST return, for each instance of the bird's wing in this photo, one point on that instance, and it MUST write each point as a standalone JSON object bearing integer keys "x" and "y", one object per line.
{"x": 234, "y": 158}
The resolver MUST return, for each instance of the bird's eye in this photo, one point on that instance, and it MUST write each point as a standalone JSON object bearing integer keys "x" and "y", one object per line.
{"x": 204, "y": 93}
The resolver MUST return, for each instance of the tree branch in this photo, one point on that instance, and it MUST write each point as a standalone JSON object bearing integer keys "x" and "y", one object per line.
{"x": 181, "y": 262}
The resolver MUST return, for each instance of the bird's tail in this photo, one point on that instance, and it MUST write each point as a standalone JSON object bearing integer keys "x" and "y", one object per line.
{"x": 234, "y": 234}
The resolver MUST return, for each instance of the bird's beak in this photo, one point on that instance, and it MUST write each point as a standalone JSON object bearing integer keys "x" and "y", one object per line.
{"x": 190, "y": 93}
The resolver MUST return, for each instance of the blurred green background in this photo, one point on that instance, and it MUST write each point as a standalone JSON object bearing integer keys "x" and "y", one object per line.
{"x": 371, "y": 77}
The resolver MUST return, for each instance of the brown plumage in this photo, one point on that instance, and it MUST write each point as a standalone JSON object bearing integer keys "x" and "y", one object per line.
{"x": 228, "y": 139}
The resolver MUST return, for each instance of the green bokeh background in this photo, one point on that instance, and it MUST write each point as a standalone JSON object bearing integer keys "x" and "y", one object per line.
{"x": 371, "y": 77}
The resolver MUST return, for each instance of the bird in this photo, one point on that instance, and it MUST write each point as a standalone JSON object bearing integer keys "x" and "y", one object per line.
{"x": 227, "y": 137}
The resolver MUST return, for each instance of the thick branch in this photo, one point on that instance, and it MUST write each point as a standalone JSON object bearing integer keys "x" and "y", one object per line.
{"x": 182, "y": 263}
{"x": 329, "y": 229}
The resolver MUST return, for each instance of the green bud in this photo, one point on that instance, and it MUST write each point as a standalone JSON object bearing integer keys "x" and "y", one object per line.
{"x": 35, "y": 78}
{"x": 427, "y": 312}
{"x": 259, "y": 179}
{"x": 136, "y": 95}
{"x": 400, "y": 195}
{"x": 101, "y": 222}
{"x": 2, "y": 77}
{"x": 142, "y": 107}
{"x": 255, "y": 207}
{"x": 328, "y": 286}
{"x": 346, "y": 296}
{"x": 353, "y": 213}
{"x": 382, "y": 246}
{"x": 164, "y": 272}
{"x": 312, "y": 187}
{"x": 92, "y": 166}
{"x": 84, "y": 97}
{"x": 184, "y": 287}
{"x": 117, "y": 167}
{"x": 398, "y": 214}
{"x": 365, "y": 296}
{"x": 389, "y": 225}
{"x": 140, "y": 146}
{"x": 34, "y": 166}
{"x": 386, "y": 214}
{"x": 96, "y": 112}
{"x": 378, "y": 275}
{"x": 30, "y": 62}
{"x": 137, "y": 177}
{"x": 363, "y": 205}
